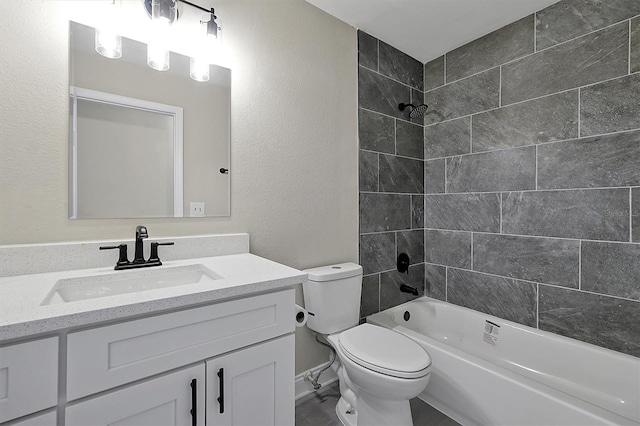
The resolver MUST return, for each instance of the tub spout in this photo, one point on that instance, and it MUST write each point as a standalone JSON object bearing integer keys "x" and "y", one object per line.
{"x": 408, "y": 289}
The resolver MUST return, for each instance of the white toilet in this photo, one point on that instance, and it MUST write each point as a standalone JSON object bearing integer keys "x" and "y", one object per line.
{"x": 379, "y": 370}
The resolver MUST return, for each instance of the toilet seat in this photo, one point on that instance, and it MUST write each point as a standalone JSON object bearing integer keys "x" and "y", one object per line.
{"x": 385, "y": 351}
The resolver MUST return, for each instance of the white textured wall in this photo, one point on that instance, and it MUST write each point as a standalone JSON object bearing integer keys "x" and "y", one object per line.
{"x": 293, "y": 148}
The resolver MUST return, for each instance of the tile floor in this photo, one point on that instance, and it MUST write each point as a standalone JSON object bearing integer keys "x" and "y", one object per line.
{"x": 319, "y": 410}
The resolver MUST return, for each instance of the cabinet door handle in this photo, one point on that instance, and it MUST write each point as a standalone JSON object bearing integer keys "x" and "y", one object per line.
{"x": 221, "y": 397}
{"x": 194, "y": 402}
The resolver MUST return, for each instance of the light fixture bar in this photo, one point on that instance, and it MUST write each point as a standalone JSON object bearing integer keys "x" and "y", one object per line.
{"x": 211, "y": 11}
{"x": 212, "y": 26}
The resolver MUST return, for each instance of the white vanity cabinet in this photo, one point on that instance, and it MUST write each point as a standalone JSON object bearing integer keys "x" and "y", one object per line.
{"x": 143, "y": 370}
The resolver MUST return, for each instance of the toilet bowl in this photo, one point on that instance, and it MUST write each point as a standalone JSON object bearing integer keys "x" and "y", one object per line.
{"x": 379, "y": 370}
{"x": 384, "y": 369}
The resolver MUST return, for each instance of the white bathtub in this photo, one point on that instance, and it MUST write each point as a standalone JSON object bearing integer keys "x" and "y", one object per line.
{"x": 510, "y": 374}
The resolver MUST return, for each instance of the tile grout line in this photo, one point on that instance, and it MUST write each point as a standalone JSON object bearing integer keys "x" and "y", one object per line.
{"x": 580, "y": 265}
{"x": 500, "y": 89}
{"x": 518, "y": 235}
{"x": 389, "y": 78}
{"x": 378, "y": 175}
{"x": 524, "y": 100}
{"x": 537, "y": 305}
{"x": 536, "y": 282}
{"x": 471, "y": 193}
{"x": 471, "y": 135}
{"x": 378, "y": 55}
{"x": 525, "y": 190}
{"x": 630, "y": 28}
{"x": 444, "y": 71}
{"x": 379, "y": 290}
{"x": 411, "y": 210}
{"x": 579, "y": 111}
{"x": 395, "y": 136}
{"x": 472, "y": 251}
{"x": 445, "y": 179}
{"x": 390, "y": 116}
{"x": 535, "y": 32}
{"x": 504, "y": 276}
{"x": 395, "y": 251}
{"x": 501, "y": 213}
{"x": 630, "y": 215}
{"x": 536, "y": 154}
{"x": 537, "y": 144}
{"x": 384, "y": 271}
{"x": 460, "y": 79}
{"x": 446, "y": 283}
{"x": 394, "y": 155}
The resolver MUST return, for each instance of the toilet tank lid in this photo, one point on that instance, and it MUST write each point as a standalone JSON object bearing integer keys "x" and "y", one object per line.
{"x": 333, "y": 272}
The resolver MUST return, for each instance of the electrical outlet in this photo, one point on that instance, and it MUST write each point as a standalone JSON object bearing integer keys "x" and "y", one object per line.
{"x": 196, "y": 209}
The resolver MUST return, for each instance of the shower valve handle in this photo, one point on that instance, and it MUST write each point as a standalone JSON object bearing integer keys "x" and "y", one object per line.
{"x": 403, "y": 263}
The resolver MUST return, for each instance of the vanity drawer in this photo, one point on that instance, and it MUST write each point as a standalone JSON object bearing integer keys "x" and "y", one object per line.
{"x": 28, "y": 378}
{"x": 105, "y": 357}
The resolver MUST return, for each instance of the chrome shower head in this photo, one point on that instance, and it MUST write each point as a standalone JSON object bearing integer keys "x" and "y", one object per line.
{"x": 416, "y": 111}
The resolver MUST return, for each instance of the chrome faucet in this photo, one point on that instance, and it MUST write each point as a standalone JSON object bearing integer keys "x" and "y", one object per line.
{"x": 138, "y": 259}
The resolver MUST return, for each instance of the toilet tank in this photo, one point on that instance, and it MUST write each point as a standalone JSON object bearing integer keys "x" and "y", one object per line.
{"x": 332, "y": 297}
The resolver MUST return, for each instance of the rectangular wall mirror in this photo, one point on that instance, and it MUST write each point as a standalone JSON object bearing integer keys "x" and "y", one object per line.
{"x": 145, "y": 143}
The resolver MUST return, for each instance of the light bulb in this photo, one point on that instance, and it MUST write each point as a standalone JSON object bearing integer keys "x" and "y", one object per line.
{"x": 108, "y": 44}
{"x": 199, "y": 69}
{"x": 163, "y": 13}
{"x": 164, "y": 10}
{"x": 157, "y": 57}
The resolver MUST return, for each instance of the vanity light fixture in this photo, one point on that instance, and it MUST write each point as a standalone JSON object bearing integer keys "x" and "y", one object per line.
{"x": 108, "y": 42}
{"x": 163, "y": 13}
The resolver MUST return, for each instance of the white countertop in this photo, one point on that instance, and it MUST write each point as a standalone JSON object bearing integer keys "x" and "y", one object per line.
{"x": 22, "y": 313}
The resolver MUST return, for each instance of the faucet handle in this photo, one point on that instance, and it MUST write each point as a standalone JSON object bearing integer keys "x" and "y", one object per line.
{"x": 123, "y": 258}
{"x": 154, "y": 251}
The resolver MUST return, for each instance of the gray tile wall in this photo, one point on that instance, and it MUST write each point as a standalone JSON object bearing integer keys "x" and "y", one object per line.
{"x": 391, "y": 171}
{"x": 532, "y": 173}
{"x": 520, "y": 196}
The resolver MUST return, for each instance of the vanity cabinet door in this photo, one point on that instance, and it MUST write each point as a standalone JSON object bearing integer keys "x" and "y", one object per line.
{"x": 28, "y": 378}
{"x": 164, "y": 401}
{"x": 253, "y": 386}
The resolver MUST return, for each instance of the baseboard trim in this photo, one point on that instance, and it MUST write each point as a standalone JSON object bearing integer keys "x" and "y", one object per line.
{"x": 304, "y": 388}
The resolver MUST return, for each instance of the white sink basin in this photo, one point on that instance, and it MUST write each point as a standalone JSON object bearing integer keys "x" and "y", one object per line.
{"x": 95, "y": 286}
